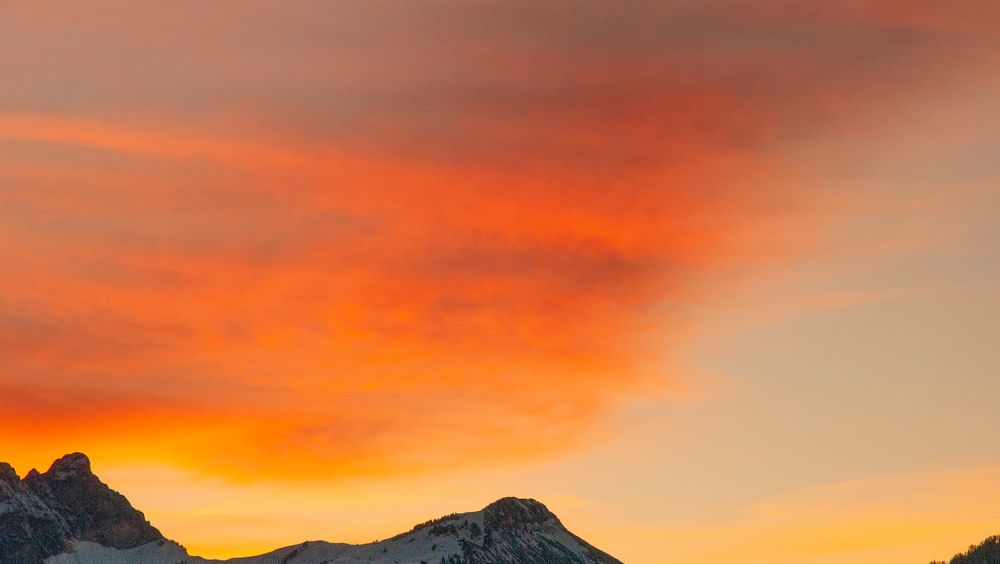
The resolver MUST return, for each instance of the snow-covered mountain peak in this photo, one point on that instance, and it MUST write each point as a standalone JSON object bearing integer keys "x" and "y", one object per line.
{"x": 69, "y": 516}
{"x": 44, "y": 514}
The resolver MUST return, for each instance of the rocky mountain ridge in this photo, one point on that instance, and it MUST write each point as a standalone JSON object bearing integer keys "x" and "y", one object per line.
{"x": 43, "y": 514}
{"x": 68, "y": 516}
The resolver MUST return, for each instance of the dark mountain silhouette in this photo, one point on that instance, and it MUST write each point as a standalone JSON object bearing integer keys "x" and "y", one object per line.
{"x": 41, "y": 514}
{"x": 69, "y": 516}
{"x": 986, "y": 552}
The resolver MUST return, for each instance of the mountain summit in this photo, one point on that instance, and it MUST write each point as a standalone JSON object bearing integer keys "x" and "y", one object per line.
{"x": 69, "y": 516}
{"x": 43, "y": 514}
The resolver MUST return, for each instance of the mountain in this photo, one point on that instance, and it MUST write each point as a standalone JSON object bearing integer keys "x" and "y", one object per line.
{"x": 986, "y": 552}
{"x": 43, "y": 514}
{"x": 69, "y": 516}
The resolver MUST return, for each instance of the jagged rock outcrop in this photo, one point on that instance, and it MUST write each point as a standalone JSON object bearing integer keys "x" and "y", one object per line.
{"x": 29, "y": 529}
{"x": 524, "y": 530}
{"x": 43, "y": 514}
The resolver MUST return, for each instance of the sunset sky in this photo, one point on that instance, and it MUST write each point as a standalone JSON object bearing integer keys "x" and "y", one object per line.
{"x": 715, "y": 281}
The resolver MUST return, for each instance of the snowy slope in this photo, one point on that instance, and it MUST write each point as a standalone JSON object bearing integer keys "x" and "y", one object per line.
{"x": 68, "y": 516}
{"x": 508, "y": 531}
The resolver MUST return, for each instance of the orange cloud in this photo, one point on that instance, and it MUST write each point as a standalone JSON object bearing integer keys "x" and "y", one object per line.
{"x": 362, "y": 333}
{"x": 400, "y": 249}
